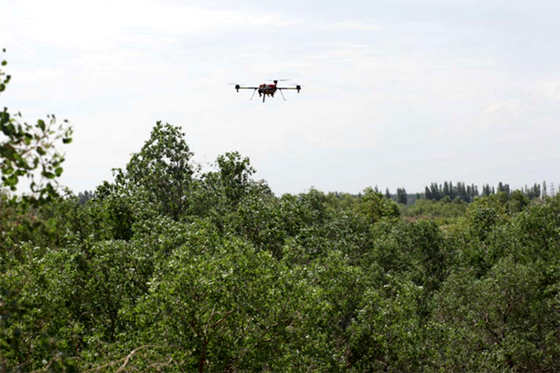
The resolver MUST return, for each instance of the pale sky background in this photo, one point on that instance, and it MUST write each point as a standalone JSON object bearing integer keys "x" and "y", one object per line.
{"x": 396, "y": 93}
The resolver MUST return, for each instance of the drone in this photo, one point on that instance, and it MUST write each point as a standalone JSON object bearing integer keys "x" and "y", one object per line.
{"x": 268, "y": 89}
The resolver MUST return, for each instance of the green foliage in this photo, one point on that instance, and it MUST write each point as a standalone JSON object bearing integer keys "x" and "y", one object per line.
{"x": 29, "y": 149}
{"x": 445, "y": 208}
{"x": 235, "y": 173}
{"x": 462, "y": 191}
{"x": 374, "y": 207}
{"x": 171, "y": 269}
{"x": 226, "y": 306}
{"x": 386, "y": 334}
{"x": 401, "y": 196}
{"x": 161, "y": 173}
{"x": 26, "y": 151}
{"x": 507, "y": 315}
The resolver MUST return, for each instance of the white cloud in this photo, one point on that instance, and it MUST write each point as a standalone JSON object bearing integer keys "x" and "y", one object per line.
{"x": 351, "y": 26}
{"x": 552, "y": 90}
{"x": 102, "y": 23}
{"x": 505, "y": 106}
{"x": 501, "y": 114}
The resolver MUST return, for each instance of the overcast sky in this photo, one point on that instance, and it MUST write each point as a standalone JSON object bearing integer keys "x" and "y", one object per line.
{"x": 396, "y": 93}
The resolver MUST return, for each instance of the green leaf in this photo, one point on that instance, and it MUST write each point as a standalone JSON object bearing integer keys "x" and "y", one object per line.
{"x": 67, "y": 140}
{"x": 41, "y": 124}
{"x": 4, "y": 63}
{"x": 58, "y": 171}
{"x": 18, "y": 158}
{"x": 41, "y": 151}
{"x": 11, "y": 182}
{"x": 48, "y": 175}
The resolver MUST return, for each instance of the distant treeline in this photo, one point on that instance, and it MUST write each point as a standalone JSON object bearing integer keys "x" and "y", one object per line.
{"x": 446, "y": 192}
{"x": 467, "y": 193}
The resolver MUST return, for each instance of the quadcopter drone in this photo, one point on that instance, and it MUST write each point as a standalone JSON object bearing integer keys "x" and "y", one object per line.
{"x": 268, "y": 89}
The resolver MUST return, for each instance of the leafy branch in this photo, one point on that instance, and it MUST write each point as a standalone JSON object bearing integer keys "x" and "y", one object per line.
{"x": 29, "y": 151}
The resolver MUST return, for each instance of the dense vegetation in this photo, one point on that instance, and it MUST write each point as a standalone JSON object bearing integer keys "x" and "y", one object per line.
{"x": 170, "y": 268}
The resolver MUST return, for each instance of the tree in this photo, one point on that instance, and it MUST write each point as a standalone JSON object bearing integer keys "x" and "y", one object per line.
{"x": 26, "y": 151}
{"x": 26, "y": 148}
{"x": 374, "y": 207}
{"x": 428, "y": 193}
{"x": 446, "y": 189}
{"x": 532, "y": 192}
{"x": 85, "y": 196}
{"x": 435, "y": 191}
{"x": 235, "y": 173}
{"x": 491, "y": 313}
{"x": 503, "y": 188}
{"x": 517, "y": 202}
{"x": 161, "y": 171}
{"x": 401, "y": 196}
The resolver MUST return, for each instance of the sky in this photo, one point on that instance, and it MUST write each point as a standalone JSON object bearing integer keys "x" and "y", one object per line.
{"x": 396, "y": 93}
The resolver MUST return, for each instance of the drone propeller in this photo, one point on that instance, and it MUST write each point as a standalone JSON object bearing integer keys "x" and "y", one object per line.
{"x": 237, "y": 86}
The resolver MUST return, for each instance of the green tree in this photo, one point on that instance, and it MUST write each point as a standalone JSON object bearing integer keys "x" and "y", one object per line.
{"x": 235, "y": 173}
{"x": 26, "y": 151}
{"x": 26, "y": 148}
{"x": 492, "y": 314}
{"x": 402, "y": 198}
{"x": 517, "y": 202}
{"x": 227, "y": 307}
{"x": 374, "y": 207}
{"x": 161, "y": 173}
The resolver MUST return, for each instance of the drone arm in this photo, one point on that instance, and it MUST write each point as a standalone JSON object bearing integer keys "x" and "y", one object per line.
{"x": 297, "y": 88}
